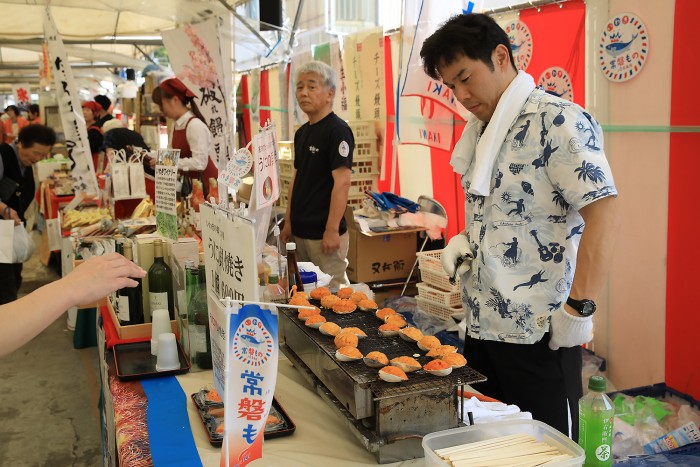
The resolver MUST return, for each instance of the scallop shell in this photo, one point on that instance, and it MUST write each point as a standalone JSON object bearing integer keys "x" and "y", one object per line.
{"x": 441, "y": 350}
{"x": 320, "y": 292}
{"x": 385, "y": 375}
{"x": 426, "y": 343}
{"x": 348, "y": 354}
{"x": 345, "y": 339}
{"x": 357, "y": 331}
{"x": 454, "y": 359}
{"x": 357, "y": 297}
{"x": 344, "y": 307}
{"x": 376, "y": 360}
{"x": 406, "y": 364}
{"x": 329, "y": 329}
{"x": 388, "y": 330}
{"x": 384, "y": 312}
{"x": 411, "y": 334}
{"x": 439, "y": 368}
{"x": 396, "y": 320}
{"x": 345, "y": 292}
{"x": 306, "y": 313}
{"x": 315, "y": 321}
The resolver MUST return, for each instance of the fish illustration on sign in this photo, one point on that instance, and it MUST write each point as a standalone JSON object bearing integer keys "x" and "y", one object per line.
{"x": 615, "y": 47}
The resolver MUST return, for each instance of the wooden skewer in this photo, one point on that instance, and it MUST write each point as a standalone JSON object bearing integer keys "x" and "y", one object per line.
{"x": 503, "y": 440}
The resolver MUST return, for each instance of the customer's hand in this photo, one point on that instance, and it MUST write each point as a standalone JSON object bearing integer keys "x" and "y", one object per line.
{"x": 99, "y": 276}
{"x": 457, "y": 248}
{"x": 10, "y": 214}
{"x": 568, "y": 330}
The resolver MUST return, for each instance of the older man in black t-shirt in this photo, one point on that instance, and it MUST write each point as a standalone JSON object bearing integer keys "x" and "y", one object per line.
{"x": 318, "y": 193}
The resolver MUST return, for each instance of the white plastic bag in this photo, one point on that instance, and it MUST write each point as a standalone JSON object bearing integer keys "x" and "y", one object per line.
{"x": 120, "y": 173}
{"x": 22, "y": 245}
{"x": 137, "y": 178}
{"x": 16, "y": 245}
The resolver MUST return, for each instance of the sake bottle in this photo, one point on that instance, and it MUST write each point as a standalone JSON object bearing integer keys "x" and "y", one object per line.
{"x": 293, "y": 274}
{"x": 160, "y": 282}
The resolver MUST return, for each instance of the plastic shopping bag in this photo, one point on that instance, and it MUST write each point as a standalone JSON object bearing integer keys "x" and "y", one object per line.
{"x": 120, "y": 173}
{"x": 137, "y": 178}
{"x": 16, "y": 245}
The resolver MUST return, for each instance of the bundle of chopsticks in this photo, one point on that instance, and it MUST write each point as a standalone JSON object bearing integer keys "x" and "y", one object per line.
{"x": 513, "y": 450}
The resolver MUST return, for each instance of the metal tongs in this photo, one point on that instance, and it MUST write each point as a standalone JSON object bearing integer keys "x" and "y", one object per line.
{"x": 458, "y": 263}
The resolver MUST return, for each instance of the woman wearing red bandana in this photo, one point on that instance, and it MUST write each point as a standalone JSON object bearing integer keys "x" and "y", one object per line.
{"x": 190, "y": 133}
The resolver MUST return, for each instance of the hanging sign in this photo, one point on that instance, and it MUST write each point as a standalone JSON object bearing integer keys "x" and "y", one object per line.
{"x": 623, "y": 47}
{"x": 267, "y": 189}
{"x": 72, "y": 120}
{"x": 166, "y": 192}
{"x": 236, "y": 168}
{"x": 556, "y": 80}
{"x": 22, "y": 94}
{"x": 520, "y": 43}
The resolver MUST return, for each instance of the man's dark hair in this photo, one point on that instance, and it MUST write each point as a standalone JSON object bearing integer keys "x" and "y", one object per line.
{"x": 33, "y": 108}
{"x": 36, "y": 134}
{"x": 103, "y": 100}
{"x": 13, "y": 108}
{"x": 473, "y": 35}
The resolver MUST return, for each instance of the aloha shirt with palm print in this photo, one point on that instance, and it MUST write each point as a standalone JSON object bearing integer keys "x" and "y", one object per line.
{"x": 526, "y": 233}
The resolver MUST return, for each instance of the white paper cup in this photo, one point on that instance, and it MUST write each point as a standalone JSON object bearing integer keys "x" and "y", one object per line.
{"x": 160, "y": 324}
{"x": 168, "y": 358}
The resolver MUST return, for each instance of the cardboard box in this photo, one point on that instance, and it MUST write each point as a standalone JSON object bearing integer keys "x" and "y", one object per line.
{"x": 135, "y": 330}
{"x": 379, "y": 256}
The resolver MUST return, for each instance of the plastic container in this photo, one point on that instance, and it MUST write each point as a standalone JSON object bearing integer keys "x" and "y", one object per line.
{"x": 471, "y": 434}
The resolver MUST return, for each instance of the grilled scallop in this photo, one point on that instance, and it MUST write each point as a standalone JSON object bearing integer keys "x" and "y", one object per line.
{"x": 384, "y": 312}
{"x": 306, "y": 313}
{"x": 345, "y": 292}
{"x": 319, "y": 292}
{"x": 411, "y": 334}
{"x": 329, "y": 329}
{"x": 376, "y": 360}
{"x": 367, "y": 305}
{"x": 328, "y": 301}
{"x": 396, "y": 320}
{"x": 454, "y": 359}
{"x": 392, "y": 374}
{"x": 345, "y": 339}
{"x": 438, "y": 368}
{"x": 349, "y": 354}
{"x": 407, "y": 364}
{"x": 441, "y": 350}
{"x": 389, "y": 330}
{"x": 315, "y": 321}
{"x": 357, "y": 331}
{"x": 427, "y": 343}
{"x": 344, "y": 307}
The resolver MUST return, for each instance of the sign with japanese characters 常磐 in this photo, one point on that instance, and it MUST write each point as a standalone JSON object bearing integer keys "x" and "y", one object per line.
{"x": 267, "y": 189}
{"x": 623, "y": 47}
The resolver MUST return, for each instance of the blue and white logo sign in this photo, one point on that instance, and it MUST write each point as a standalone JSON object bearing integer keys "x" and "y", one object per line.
{"x": 623, "y": 47}
{"x": 556, "y": 80}
{"x": 520, "y": 43}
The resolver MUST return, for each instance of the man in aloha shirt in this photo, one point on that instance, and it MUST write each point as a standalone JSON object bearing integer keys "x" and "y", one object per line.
{"x": 541, "y": 218}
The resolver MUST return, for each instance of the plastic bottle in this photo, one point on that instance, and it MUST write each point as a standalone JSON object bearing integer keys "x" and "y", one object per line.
{"x": 595, "y": 412}
{"x": 273, "y": 291}
{"x": 293, "y": 275}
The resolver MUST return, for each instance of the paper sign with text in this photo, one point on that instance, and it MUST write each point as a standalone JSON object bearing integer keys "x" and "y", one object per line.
{"x": 22, "y": 93}
{"x": 231, "y": 267}
{"x": 166, "y": 192}
{"x": 251, "y": 358}
{"x": 267, "y": 188}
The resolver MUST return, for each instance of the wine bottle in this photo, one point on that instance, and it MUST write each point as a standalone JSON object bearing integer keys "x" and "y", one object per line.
{"x": 293, "y": 274}
{"x": 130, "y": 299}
{"x": 160, "y": 282}
{"x": 186, "y": 188}
{"x": 198, "y": 317}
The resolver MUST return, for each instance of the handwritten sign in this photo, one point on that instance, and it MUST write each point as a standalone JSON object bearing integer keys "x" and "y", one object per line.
{"x": 267, "y": 189}
{"x": 166, "y": 192}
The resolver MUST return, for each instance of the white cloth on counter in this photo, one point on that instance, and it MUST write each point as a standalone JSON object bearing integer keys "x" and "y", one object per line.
{"x": 486, "y": 412}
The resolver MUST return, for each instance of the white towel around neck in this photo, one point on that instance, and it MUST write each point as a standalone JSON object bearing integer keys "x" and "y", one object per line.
{"x": 484, "y": 151}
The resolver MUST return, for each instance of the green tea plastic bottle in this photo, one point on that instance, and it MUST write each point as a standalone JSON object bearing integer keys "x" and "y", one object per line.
{"x": 595, "y": 415}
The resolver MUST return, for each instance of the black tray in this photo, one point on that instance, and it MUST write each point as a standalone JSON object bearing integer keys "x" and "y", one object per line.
{"x": 269, "y": 434}
{"x": 134, "y": 361}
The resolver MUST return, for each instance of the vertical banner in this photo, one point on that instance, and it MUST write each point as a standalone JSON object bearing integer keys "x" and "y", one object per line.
{"x": 44, "y": 67}
{"x": 74, "y": 129}
{"x": 230, "y": 262}
{"x": 250, "y": 385}
{"x": 22, "y": 94}
{"x": 354, "y": 76}
{"x": 195, "y": 55}
{"x": 340, "y": 106}
{"x": 166, "y": 192}
{"x": 370, "y": 53}
{"x": 266, "y": 178}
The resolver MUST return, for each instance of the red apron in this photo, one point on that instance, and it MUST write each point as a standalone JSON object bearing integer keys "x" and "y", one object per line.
{"x": 180, "y": 142}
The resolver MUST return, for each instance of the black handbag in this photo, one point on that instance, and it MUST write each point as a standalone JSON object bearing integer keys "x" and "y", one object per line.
{"x": 8, "y": 188}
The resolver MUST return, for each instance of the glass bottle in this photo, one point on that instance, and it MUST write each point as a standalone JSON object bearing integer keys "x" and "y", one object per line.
{"x": 186, "y": 188}
{"x": 198, "y": 322}
{"x": 595, "y": 415}
{"x": 273, "y": 291}
{"x": 160, "y": 282}
{"x": 130, "y": 299}
{"x": 119, "y": 243}
{"x": 191, "y": 284}
{"x": 293, "y": 275}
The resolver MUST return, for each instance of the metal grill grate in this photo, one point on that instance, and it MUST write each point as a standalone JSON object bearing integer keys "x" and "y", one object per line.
{"x": 418, "y": 381}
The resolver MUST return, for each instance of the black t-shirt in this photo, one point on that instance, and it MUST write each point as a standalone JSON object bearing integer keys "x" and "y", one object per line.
{"x": 318, "y": 150}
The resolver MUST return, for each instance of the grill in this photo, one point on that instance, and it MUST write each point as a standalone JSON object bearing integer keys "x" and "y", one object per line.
{"x": 389, "y": 419}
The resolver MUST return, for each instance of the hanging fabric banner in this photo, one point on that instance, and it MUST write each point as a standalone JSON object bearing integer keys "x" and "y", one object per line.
{"x": 421, "y": 19}
{"x": 44, "y": 67}
{"x": 370, "y": 50}
{"x": 70, "y": 110}
{"x": 195, "y": 55}
{"x": 22, "y": 94}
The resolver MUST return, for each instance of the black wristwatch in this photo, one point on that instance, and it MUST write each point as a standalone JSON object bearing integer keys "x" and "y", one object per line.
{"x": 584, "y": 307}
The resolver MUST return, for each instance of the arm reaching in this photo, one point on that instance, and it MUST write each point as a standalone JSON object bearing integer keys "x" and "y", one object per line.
{"x": 25, "y": 318}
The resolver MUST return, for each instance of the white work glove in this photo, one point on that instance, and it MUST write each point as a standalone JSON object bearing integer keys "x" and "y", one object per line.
{"x": 457, "y": 248}
{"x": 568, "y": 330}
